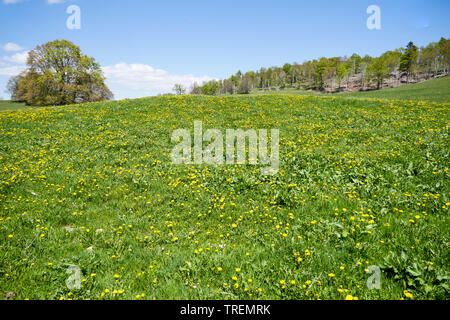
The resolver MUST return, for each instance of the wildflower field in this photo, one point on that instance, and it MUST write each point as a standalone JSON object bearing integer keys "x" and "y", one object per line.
{"x": 362, "y": 183}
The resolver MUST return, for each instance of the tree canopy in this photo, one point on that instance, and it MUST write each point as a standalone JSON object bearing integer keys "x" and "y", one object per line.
{"x": 58, "y": 74}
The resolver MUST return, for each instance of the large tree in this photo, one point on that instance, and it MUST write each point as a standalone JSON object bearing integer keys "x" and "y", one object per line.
{"x": 179, "y": 89}
{"x": 444, "y": 49}
{"x": 378, "y": 71}
{"x": 57, "y": 74}
{"x": 320, "y": 72}
{"x": 341, "y": 73}
{"x": 408, "y": 59}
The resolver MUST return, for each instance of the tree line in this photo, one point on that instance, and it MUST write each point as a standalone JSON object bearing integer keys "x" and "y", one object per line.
{"x": 403, "y": 65}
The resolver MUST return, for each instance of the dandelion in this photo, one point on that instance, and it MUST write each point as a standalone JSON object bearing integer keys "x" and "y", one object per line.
{"x": 407, "y": 294}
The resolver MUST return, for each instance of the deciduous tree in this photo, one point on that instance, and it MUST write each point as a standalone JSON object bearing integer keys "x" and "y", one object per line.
{"x": 378, "y": 70}
{"x": 179, "y": 89}
{"x": 408, "y": 59}
{"x": 57, "y": 74}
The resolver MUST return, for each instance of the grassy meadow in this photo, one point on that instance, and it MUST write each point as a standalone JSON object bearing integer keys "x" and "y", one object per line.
{"x": 362, "y": 182}
{"x": 437, "y": 90}
{"x": 8, "y": 105}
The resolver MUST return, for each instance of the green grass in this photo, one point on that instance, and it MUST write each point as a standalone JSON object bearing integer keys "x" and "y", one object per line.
{"x": 7, "y": 105}
{"x": 361, "y": 183}
{"x": 437, "y": 90}
{"x": 290, "y": 91}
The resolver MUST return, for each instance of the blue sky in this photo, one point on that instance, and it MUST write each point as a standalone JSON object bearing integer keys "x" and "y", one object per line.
{"x": 145, "y": 46}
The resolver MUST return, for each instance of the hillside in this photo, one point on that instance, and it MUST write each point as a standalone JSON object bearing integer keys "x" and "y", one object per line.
{"x": 362, "y": 184}
{"x": 437, "y": 90}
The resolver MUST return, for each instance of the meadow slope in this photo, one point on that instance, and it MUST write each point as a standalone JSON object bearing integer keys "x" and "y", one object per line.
{"x": 437, "y": 90}
{"x": 361, "y": 183}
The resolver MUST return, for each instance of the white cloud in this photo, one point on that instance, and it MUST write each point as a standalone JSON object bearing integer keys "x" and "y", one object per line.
{"x": 11, "y": 71}
{"x": 137, "y": 80}
{"x": 20, "y": 58}
{"x": 12, "y": 47}
{"x": 55, "y": 1}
